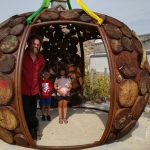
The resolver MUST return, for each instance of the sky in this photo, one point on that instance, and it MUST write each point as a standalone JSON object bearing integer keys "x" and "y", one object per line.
{"x": 134, "y": 13}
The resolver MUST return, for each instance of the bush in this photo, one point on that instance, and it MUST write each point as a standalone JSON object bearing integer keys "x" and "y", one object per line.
{"x": 96, "y": 87}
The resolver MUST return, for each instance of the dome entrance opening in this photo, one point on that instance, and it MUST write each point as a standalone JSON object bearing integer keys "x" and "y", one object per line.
{"x": 80, "y": 50}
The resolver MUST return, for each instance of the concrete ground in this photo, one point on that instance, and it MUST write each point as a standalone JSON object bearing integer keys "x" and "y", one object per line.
{"x": 86, "y": 126}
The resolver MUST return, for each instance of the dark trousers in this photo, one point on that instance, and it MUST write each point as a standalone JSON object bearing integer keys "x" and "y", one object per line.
{"x": 29, "y": 106}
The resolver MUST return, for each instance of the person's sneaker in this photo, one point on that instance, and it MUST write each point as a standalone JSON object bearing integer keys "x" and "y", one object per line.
{"x": 48, "y": 118}
{"x": 43, "y": 117}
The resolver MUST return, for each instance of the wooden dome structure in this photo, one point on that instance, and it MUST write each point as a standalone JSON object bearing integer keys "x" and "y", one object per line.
{"x": 129, "y": 82}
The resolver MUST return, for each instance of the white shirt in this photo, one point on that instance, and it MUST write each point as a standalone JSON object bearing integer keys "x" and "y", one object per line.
{"x": 64, "y": 85}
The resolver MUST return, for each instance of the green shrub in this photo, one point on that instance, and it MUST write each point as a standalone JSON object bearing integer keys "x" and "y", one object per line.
{"x": 96, "y": 87}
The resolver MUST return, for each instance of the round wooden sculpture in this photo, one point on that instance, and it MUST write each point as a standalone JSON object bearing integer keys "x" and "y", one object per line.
{"x": 129, "y": 83}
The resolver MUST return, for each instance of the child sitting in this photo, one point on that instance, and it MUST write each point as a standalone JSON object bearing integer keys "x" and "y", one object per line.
{"x": 45, "y": 95}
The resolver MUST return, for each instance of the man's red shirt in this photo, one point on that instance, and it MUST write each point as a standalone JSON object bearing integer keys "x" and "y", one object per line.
{"x": 46, "y": 88}
{"x": 30, "y": 74}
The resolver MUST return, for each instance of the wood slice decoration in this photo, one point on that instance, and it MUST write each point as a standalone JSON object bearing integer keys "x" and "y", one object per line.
{"x": 128, "y": 93}
{"x": 16, "y": 21}
{"x": 45, "y": 45}
{"x": 111, "y": 137}
{"x": 51, "y": 9}
{"x": 20, "y": 140}
{"x": 101, "y": 15}
{"x": 137, "y": 45}
{"x": 119, "y": 77}
{"x": 6, "y": 135}
{"x": 127, "y": 44}
{"x": 114, "y": 21}
{"x": 4, "y": 32}
{"x": 49, "y": 15}
{"x": 69, "y": 15}
{"x": 17, "y": 30}
{"x": 128, "y": 71}
{"x": 6, "y": 89}
{"x": 85, "y": 18}
{"x": 74, "y": 40}
{"x": 122, "y": 118}
{"x": 147, "y": 66}
{"x": 7, "y": 63}
{"x": 5, "y": 23}
{"x": 113, "y": 31}
{"x": 80, "y": 11}
{"x": 116, "y": 45}
{"x": 127, "y": 65}
{"x": 27, "y": 14}
{"x": 49, "y": 33}
{"x": 138, "y": 107}
{"x": 126, "y": 129}
{"x": 9, "y": 44}
{"x": 136, "y": 59}
{"x": 147, "y": 97}
{"x": 126, "y": 31}
{"x": 8, "y": 119}
{"x": 73, "y": 32}
{"x": 65, "y": 44}
{"x": 143, "y": 80}
{"x": 17, "y": 130}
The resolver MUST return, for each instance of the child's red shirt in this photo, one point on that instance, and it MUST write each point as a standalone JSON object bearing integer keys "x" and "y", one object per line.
{"x": 46, "y": 88}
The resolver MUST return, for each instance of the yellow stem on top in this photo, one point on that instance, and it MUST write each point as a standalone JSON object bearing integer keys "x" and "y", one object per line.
{"x": 89, "y": 12}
